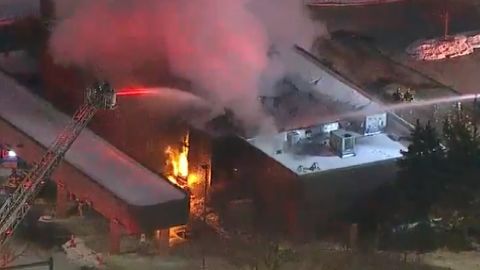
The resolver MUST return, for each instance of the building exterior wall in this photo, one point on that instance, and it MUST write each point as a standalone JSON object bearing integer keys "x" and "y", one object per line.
{"x": 133, "y": 219}
{"x": 298, "y": 205}
{"x": 330, "y": 193}
{"x": 239, "y": 170}
{"x": 199, "y": 160}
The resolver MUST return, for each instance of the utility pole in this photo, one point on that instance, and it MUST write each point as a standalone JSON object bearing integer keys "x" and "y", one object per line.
{"x": 205, "y": 167}
{"x": 446, "y": 17}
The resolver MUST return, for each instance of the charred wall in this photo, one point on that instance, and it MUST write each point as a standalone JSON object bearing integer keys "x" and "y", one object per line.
{"x": 200, "y": 151}
{"x": 241, "y": 171}
{"x": 199, "y": 160}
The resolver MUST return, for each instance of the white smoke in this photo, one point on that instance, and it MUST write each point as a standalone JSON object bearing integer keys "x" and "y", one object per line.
{"x": 220, "y": 46}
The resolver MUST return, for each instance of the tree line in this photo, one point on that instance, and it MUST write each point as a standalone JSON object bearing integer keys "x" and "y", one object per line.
{"x": 438, "y": 182}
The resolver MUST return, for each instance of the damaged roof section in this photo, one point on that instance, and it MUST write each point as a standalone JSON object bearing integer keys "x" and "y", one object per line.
{"x": 309, "y": 94}
{"x": 325, "y": 122}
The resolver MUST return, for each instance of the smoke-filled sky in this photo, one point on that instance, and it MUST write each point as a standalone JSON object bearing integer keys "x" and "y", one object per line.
{"x": 220, "y": 46}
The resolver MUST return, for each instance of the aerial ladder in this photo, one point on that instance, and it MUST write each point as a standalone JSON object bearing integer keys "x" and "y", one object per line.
{"x": 100, "y": 96}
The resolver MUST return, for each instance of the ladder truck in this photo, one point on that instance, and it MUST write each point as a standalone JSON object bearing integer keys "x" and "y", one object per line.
{"x": 99, "y": 96}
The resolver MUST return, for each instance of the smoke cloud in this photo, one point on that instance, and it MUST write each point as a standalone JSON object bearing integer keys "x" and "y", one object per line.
{"x": 229, "y": 50}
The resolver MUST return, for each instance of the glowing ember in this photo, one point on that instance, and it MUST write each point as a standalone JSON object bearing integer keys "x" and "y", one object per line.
{"x": 174, "y": 180}
{"x": 193, "y": 179}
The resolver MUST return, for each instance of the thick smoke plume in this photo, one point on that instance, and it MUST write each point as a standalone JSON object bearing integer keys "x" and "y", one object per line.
{"x": 221, "y": 47}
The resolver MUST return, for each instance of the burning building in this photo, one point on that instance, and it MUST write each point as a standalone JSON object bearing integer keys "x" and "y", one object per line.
{"x": 190, "y": 170}
{"x": 334, "y": 144}
{"x": 131, "y": 197}
{"x": 330, "y": 138}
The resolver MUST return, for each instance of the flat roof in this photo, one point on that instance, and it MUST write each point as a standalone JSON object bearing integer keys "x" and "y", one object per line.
{"x": 96, "y": 158}
{"x": 338, "y": 100}
{"x": 368, "y": 149}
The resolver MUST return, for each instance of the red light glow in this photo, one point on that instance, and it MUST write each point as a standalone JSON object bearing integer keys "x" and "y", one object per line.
{"x": 135, "y": 92}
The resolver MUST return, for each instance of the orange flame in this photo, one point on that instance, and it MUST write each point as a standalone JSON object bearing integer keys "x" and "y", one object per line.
{"x": 177, "y": 164}
{"x": 178, "y": 173}
{"x": 193, "y": 179}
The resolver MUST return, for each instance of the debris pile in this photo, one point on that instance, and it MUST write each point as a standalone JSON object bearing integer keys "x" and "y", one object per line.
{"x": 451, "y": 47}
{"x": 80, "y": 254}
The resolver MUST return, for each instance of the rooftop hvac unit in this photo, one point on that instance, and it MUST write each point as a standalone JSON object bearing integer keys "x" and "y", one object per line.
{"x": 375, "y": 124}
{"x": 293, "y": 138}
{"x": 327, "y": 128}
{"x": 343, "y": 143}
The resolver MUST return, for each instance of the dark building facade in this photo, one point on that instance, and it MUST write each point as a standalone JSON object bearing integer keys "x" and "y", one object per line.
{"x": 285, "y": 202}
{"x": 241, "y": 171}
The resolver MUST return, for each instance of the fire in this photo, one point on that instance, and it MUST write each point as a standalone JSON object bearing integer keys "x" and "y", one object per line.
{"x": 172, "y": 161}
{"x": 173, "y": 180}
{"x": 183, "y": 164}
{"x": 178, "y": 173}
{"x": 193, "y": 179}
{"x": 177, "y": 164}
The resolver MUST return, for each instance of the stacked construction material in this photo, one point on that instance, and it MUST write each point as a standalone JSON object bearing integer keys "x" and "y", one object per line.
{"x": 451, "y": 47}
